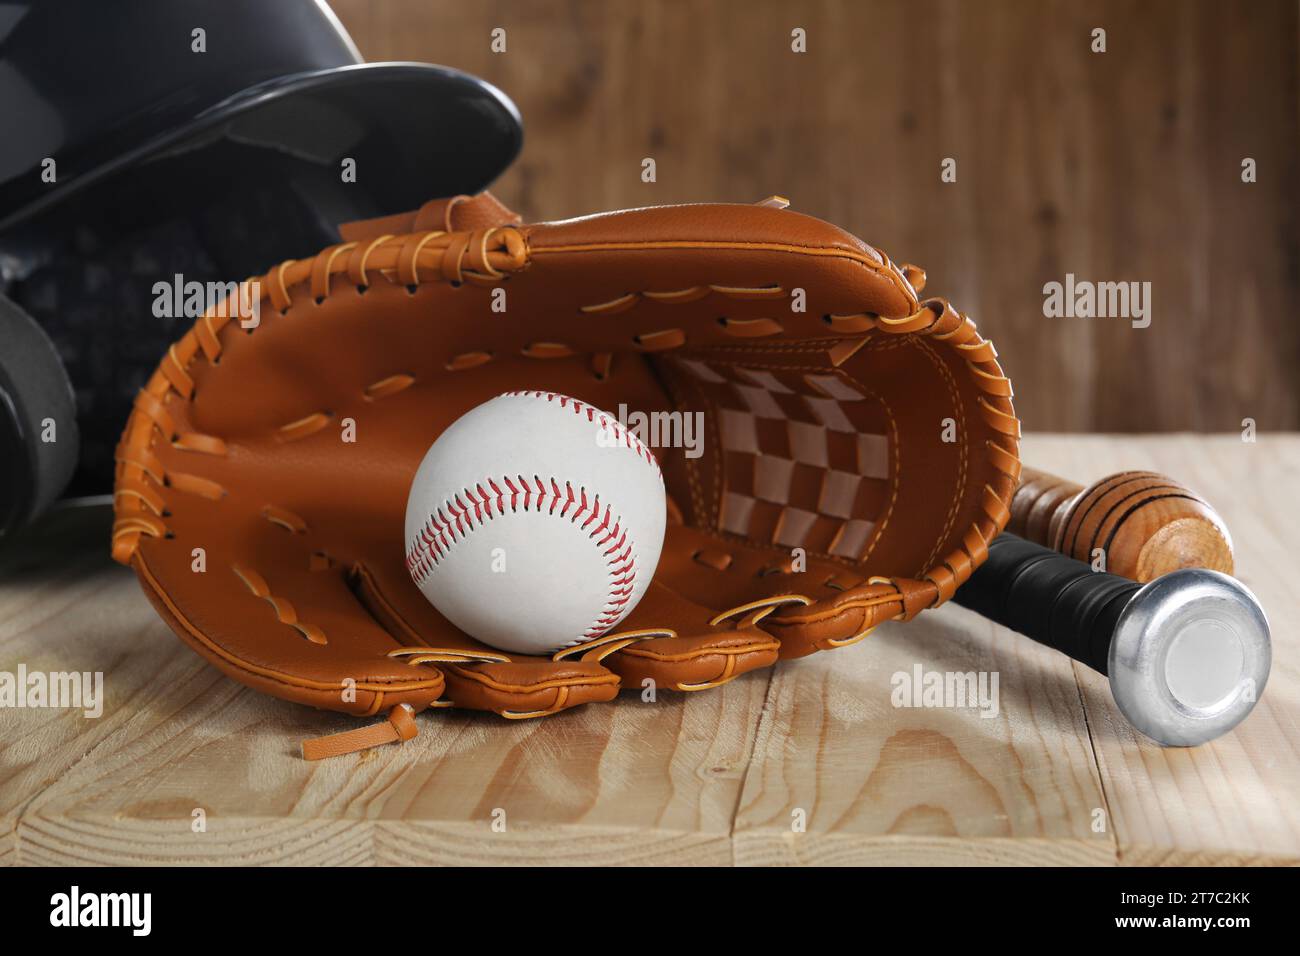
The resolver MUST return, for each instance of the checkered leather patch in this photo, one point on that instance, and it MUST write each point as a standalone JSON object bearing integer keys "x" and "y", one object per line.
{"x": 806, "y": 457}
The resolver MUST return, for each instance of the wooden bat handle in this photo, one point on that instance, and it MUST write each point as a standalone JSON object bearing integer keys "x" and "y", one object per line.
{"x": 1145, "y": 523}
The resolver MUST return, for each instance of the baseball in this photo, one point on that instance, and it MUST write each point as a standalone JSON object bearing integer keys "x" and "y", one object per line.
{"x": 535, "y": 522}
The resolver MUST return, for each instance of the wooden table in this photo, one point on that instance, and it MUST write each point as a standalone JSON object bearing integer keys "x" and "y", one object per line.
{"x": 713, "y": 778}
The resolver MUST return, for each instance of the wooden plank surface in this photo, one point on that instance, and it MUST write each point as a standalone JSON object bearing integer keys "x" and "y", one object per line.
{"x": 882, "y": 785}
{"x": 1238, "y": 799}
{"x": 711, "y": 778}
{"x": 1115, "y": 166}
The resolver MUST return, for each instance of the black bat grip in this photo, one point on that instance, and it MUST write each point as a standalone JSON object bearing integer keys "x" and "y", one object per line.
{"x": 1049, "y": 597}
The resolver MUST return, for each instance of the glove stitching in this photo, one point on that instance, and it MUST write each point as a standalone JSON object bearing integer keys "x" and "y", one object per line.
{"x": 675, "y": 383}
{"x": 172, "y": 378}
{"x": 963, "y": 447}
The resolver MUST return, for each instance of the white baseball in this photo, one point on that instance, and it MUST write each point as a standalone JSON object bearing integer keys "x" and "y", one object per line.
{"x": 535, "y": 522}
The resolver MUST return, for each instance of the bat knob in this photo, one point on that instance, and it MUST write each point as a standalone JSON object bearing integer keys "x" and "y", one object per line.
{"x": 1189, "y": 657}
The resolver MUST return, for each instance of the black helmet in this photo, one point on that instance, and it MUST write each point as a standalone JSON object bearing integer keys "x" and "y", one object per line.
{"x": 101, "y": 87}
{"x": 205, "y": 138}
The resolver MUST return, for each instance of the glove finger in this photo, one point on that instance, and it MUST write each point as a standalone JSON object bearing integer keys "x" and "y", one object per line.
{"x": 512, "y": 685}
{"x": 777, "y": 595}
{"x": 695, "y": 653}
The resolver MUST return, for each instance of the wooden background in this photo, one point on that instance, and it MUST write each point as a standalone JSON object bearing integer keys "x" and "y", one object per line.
{"x": 1122, "y": 166}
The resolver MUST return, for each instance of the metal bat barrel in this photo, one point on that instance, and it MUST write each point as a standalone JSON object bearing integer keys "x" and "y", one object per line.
{"x": 1187, "y": 654}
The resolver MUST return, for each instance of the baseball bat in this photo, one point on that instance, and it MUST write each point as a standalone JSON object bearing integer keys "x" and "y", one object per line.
{"x": 1187, "y": 654}
{"x": 1145, "y": 524}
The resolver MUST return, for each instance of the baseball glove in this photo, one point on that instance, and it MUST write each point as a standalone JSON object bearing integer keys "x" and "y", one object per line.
{"x": 860, "y": 450}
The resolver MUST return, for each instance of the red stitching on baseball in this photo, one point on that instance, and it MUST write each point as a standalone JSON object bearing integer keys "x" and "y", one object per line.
{"x": 454, "y": 519}
{"x": 595, "y": 416}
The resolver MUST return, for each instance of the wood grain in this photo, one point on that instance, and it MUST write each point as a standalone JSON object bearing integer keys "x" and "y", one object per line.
{"x": 1120, "y": 166}
{"x": 880, "y": 784}
{"x": 709, "y": 778}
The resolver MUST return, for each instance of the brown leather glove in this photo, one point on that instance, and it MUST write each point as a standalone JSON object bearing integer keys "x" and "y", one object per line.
{"x": 842, "y": 417}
